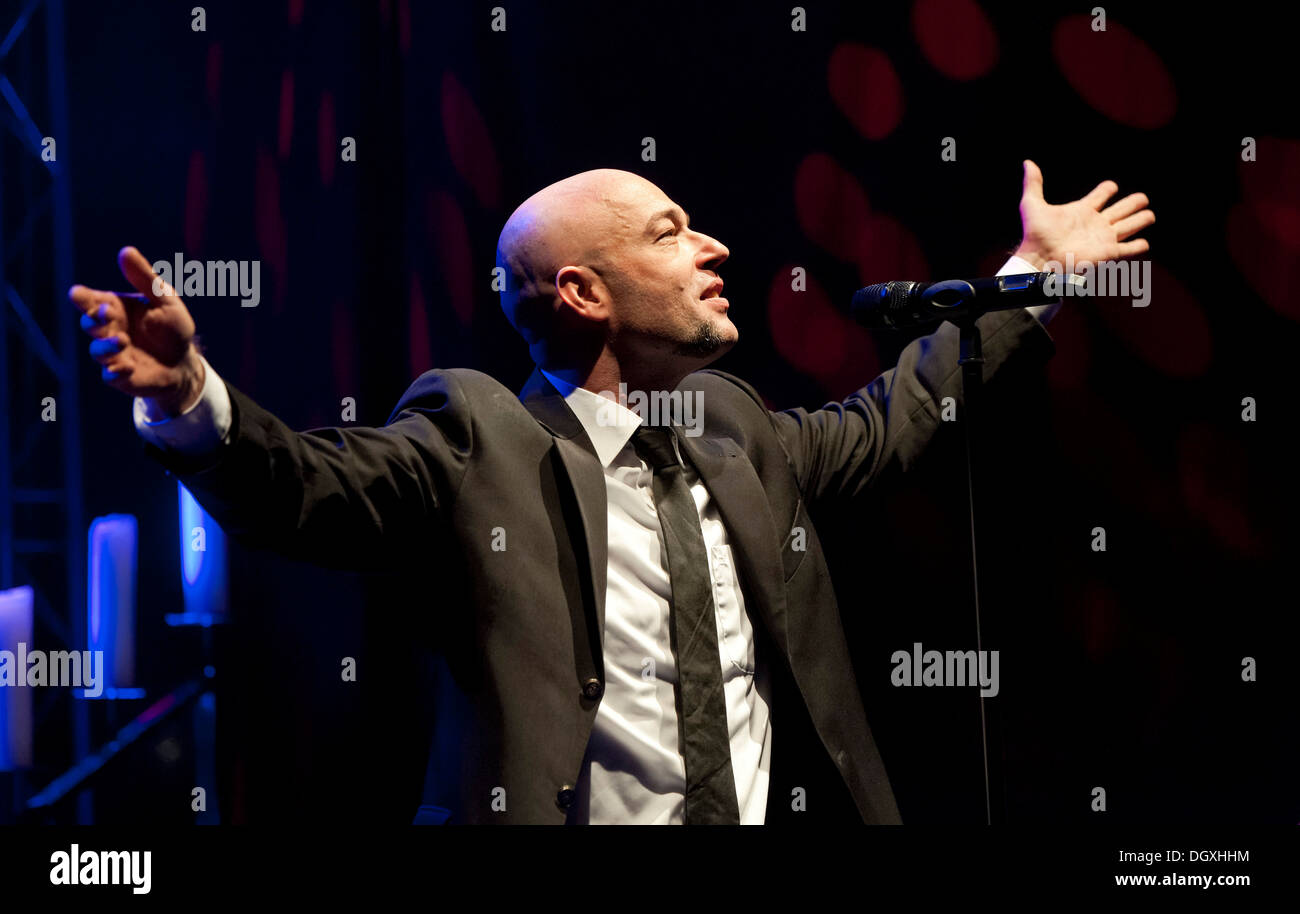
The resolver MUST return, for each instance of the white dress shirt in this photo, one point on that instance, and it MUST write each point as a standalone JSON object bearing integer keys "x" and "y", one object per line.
{"x": 633, "y": 771}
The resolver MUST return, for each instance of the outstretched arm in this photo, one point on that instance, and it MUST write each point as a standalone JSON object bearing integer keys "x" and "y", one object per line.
{"x": 840, "y": 450}
{"x": 363, "y": 498}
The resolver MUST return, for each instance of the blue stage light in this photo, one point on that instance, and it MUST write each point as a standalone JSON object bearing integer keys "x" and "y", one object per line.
{"x": 110, "y": 605}
{"x": 203, "y": 565}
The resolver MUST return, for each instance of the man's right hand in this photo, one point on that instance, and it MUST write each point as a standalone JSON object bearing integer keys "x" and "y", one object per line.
{"x": 144, "y": 340}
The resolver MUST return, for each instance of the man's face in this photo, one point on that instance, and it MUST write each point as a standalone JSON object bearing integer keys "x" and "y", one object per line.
{"x": 662, "y": 276}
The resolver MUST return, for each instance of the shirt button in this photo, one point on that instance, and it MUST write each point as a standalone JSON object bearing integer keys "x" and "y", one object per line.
{"x": 592, "y": 689}
{"x": 565, "y": 796}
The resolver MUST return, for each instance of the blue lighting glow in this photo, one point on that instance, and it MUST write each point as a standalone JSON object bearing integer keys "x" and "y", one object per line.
{"x": 110, "y": 599}
{"x": 203, "y": 565}
{"x": 16, "y": 626}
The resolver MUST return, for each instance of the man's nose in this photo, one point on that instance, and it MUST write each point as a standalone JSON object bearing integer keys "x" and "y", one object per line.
{"x": 713, "y": 250}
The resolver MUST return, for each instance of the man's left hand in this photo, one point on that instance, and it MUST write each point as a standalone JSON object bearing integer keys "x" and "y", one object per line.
{"x": 1082, "y": 228}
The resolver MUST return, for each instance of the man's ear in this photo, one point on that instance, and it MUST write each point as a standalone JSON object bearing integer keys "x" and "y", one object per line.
{"x": 582, "y": 291}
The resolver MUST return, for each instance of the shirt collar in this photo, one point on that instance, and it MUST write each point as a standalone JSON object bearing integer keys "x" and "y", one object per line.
{"x": 608, "y": 423}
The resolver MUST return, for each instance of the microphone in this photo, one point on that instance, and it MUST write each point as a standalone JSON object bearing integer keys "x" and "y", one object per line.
{"x": 902, "y": 305}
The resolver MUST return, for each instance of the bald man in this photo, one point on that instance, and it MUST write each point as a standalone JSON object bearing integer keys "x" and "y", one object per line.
{"x": 635, "y": 610}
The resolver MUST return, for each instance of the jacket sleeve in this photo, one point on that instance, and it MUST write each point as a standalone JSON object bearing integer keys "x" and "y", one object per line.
{"x": 349, "y": 498}
{"x": 840, "y": 450}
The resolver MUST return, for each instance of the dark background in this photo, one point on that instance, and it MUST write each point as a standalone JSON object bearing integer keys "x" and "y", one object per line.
{"x": 818, "y": 149}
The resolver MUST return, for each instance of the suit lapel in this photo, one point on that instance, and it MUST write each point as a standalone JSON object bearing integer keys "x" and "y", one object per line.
{"x": 739, "y": 495}
{"x": 586, "y": 476}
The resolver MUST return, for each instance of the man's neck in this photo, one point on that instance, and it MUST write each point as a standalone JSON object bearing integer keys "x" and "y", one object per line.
{"x": 608, "y": 374}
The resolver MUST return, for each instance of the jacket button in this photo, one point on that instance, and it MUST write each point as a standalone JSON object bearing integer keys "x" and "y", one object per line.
{"x": 565, "y": 796}
{"x": 592, "y": 688}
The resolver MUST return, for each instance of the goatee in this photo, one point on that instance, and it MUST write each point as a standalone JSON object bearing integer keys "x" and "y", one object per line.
{"x": 706, "y": 341}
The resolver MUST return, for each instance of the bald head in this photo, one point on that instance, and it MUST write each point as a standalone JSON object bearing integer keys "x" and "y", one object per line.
{"x": 570, "y": 222}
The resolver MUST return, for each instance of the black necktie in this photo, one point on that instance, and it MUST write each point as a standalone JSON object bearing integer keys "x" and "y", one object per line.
{"x": 692, "y": 625}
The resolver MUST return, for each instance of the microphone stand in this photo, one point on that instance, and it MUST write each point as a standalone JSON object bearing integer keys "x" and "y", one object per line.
{"x": 886, "y": 304}
{"x": 971, "y": 359}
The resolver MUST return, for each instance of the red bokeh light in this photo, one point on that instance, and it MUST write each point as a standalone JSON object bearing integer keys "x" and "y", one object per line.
{"x": 1068, "y": 367}
{"x": 866, "y": 88}
{"x": 1115, "y": 72}
{"x": 1270, "y": 268}
{"x": 469, "y": 143}
{"x": 956, "y": 37}
{"x": 327, "y": 148}
{"x": 1171, "y": 334}
{"x": 830, "y": 204}
{"x": 887, "y": 250}
{"x": 449, "y": 236}
{"x": 815, "y": 337}
{"x": 272, "y": 240}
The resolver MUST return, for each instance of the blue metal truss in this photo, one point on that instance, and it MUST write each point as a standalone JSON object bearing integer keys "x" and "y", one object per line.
{"x": 42, "y": 525}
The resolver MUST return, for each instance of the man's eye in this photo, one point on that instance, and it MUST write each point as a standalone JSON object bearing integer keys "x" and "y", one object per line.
{"x": 666, "y": 234}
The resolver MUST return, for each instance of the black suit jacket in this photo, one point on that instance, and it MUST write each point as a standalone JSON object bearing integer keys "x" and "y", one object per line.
{"x": 464, "y": 462}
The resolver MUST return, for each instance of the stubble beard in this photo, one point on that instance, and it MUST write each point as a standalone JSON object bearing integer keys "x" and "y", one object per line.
{"x": 705, "y": 341}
